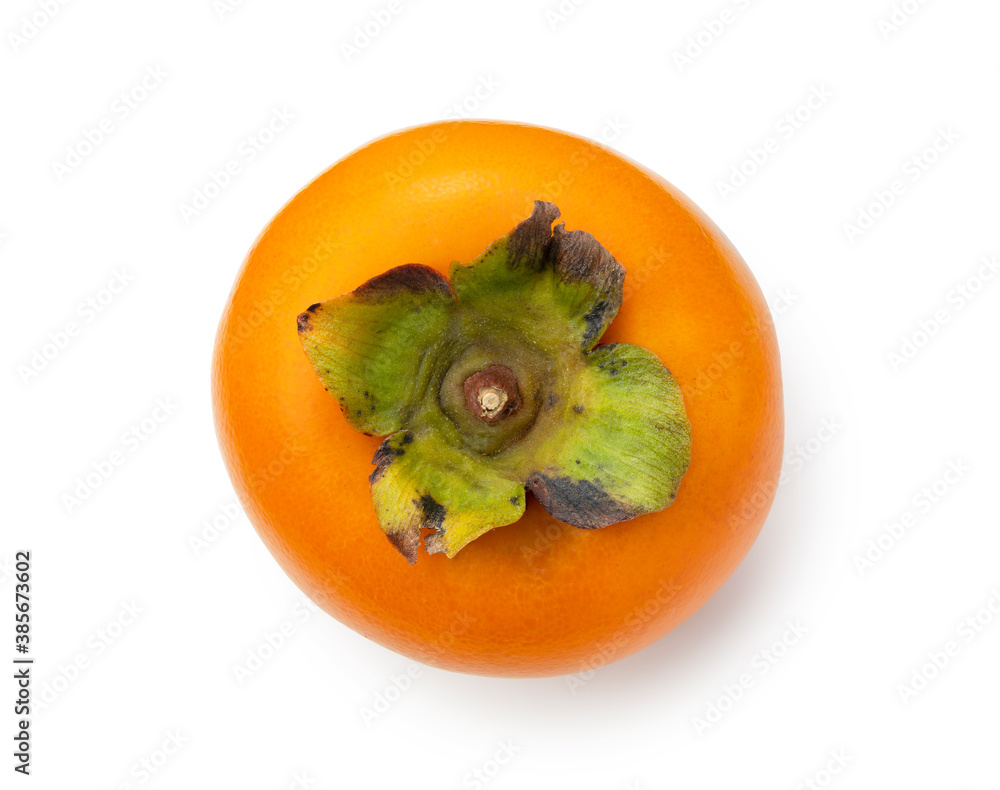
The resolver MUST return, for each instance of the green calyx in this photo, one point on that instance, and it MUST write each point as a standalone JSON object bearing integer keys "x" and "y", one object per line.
{"x": 491, "y": 383}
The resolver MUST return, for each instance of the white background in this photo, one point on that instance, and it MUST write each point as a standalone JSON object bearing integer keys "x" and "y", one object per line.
{"x": 844, "y": 303}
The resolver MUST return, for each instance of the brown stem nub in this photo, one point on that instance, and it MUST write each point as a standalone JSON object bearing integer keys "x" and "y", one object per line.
{"x": 492, "y": 394}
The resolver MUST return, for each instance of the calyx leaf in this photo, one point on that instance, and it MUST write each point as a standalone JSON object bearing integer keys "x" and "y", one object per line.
{"x": 423, "y": 482}
{"x": 564, "y": 284}
{"x": 623, "y": 445}
{"x": 365, "y": 346}
{"x": 492, "y": 382}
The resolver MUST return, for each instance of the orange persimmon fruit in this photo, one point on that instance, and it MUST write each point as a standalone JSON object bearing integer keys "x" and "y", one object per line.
{"x": 535, "y": 597}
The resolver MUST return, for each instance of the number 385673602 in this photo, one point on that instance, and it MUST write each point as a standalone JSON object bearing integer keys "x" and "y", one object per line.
{"x": 22, "y": 600}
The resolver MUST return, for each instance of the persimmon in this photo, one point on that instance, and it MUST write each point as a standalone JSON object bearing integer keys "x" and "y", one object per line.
{"x": 571, "y": 433}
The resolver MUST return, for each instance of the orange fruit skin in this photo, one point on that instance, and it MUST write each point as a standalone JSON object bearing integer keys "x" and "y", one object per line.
{"x": 537, "y": 597}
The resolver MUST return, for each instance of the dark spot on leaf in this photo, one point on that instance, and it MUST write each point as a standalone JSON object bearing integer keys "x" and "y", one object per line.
{"x": 358, "y": 412}
{"x": 387, "y": 452}
{"x": 312, "y": 308}
{"x": 582, "y": 503}
{"x": 434, "y": 512}
{"x": 373, "y": 408}
{"x": 303, "y": 323}
{"x": 595, "y": 320}
{"x": 383, "y": 457}
{"x": 578, "y": 409}
{"x": 408, "y": 278}
{"x": 366, "y": 393}
{"x": 553, "y": 400}
{"x": 515, "y": 500}
{"x": 578, "y": 460}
